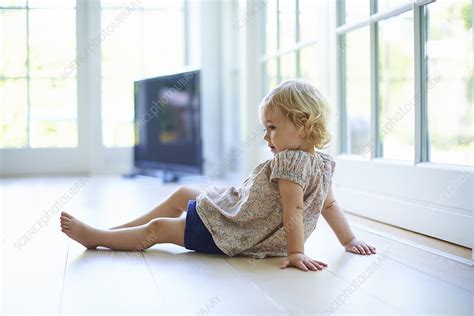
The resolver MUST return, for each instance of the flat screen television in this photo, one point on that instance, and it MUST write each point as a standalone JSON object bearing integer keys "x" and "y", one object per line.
{"x": 168, "y": 125}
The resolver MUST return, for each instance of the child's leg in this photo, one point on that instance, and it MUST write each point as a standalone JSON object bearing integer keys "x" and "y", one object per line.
{"x": 160, "y": 230}
{"x": 172, "y": 206}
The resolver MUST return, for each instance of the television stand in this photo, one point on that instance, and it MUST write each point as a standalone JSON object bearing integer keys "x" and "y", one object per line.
{"x": 165, "y": 175}
{"x": 170, "y": 177}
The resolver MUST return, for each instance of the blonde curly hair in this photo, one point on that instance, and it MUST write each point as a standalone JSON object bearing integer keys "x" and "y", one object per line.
{"x": 304, "y": 106}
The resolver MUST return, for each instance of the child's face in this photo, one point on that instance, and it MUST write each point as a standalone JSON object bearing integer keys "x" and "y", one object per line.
{"x": 281, "y": 134}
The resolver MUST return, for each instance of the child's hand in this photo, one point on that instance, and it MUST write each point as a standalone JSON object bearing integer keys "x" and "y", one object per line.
{"x": 359, "y": 247}
{"x": 302, "y": 262}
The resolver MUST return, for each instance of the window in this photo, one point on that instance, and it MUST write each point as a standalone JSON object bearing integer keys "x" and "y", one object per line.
{"x": 418, "y": 81}
{"x": 396, "y": 87}
{"x": 357, "y": 51}
{"x": 292, "y": 47}
{"x": 385, "y": 5}
{"x": 288, "y": 66}
{"x": 287, "y": 23}
{"x": 38, "y": 103}
{"x": 450, "y": 82}
{"x": 292, "y": 36}
{"x": 426, "y": 45}
{"x": 272, "y": 44}
{"x": 309, "y": 64}
{"x": 356, "y": 10}
{"x": 121, "y": 65}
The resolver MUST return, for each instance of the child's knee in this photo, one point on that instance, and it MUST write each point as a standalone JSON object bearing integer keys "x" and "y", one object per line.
{"x": 154, "y": 227}
{"x": 187, "y": 192}
{"x": 167, "y": 230}
{"x": 182, "y": 195}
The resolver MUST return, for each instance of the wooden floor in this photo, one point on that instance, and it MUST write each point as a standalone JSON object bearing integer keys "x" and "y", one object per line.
{"x": 51, "y": 274}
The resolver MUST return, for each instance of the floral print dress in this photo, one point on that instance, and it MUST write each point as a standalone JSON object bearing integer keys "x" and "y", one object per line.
{"x": 248, "y": 220}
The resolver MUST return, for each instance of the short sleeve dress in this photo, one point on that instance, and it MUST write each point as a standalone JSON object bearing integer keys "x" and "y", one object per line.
{"x": 248, "y": 220}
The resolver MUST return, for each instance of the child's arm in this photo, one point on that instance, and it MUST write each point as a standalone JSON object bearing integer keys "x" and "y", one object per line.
{"x": 334, "y": 215}
{"x": 291, "y": 195}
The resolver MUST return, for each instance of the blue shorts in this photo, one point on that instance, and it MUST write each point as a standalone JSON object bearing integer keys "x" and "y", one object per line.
{"x": 196, "y": 235}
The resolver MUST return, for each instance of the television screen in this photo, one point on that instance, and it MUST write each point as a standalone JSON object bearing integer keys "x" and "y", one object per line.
{"x": 167, "y": 123}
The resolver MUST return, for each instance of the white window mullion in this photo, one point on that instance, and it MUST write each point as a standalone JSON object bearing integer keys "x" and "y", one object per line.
{"x": 262, "y": 14}
{"x": 297, "y": 31}
{"x": 341, "y": 79}
{"x": 374, "y": 147}
{"x": 28, "y": 99}
{"x": 186, "y": 32}
{"x": 420, "y": 87}
{"x": 278, "y": 41}
{"x": 89, "y": 82}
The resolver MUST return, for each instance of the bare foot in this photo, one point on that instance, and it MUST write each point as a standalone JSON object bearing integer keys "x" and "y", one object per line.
{"x": 79, "y": 231}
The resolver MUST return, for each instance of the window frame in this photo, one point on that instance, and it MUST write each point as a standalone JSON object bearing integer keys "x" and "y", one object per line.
{"x": 90, "y": 155}
{"x": 46, "y": 159}
{"x": 142, "y": 11}
{"x": 27, "y": 77}
{"x": 430, "y": 198}
{"x": 421, "y": 131}
{"x": 296, "y": 48}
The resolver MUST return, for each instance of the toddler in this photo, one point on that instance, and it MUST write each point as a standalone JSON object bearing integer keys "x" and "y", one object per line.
{"x": 272, "y": 213}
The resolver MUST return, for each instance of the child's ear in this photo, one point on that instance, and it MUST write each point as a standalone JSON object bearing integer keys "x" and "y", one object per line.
{"x": 302, "y": 132}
